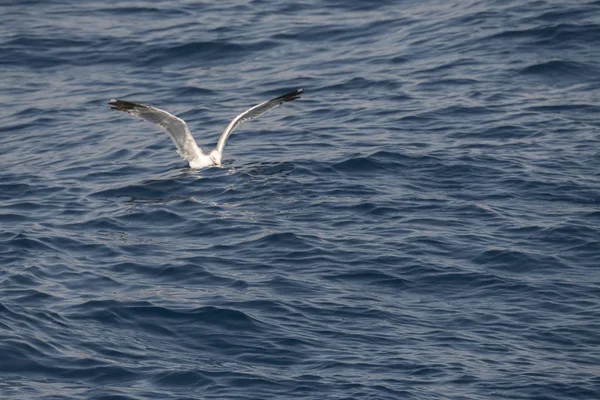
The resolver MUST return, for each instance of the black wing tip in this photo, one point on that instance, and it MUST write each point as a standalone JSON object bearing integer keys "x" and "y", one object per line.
{"x": 291, "y": 95}
{"x": 123, "y": 105}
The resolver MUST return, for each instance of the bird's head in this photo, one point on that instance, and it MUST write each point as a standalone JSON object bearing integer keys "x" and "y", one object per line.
{"x": 215, "y": 156}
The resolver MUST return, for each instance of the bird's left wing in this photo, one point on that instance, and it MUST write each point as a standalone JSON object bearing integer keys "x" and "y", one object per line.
{"x": 176, "y": 127}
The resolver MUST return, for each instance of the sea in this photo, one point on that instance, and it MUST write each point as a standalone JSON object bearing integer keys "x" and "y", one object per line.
{"x": 423, "y": 223}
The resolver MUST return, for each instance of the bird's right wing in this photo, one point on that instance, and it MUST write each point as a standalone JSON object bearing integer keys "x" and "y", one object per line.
{"x": 176, "y": 127}
{"x": 255, "y": 112}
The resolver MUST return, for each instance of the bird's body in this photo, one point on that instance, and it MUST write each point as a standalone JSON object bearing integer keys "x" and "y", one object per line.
{"x": 181, "y": 135}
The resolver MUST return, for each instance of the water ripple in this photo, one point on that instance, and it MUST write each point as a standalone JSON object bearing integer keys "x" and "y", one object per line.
{"x": 422, "y": 224}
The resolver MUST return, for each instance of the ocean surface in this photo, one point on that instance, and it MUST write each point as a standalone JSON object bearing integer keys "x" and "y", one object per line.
{"x": 424, "y": 223}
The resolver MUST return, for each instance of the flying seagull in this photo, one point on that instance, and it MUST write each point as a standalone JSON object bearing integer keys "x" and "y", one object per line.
{"x": 181, "y": 135}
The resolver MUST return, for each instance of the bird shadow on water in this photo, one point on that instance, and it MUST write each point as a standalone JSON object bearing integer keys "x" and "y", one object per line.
{"x": 163, "y": 187}
{"x": 186, "y": 184}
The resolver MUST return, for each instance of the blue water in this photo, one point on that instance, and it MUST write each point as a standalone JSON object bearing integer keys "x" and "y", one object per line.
{"x": 423, "y": 224}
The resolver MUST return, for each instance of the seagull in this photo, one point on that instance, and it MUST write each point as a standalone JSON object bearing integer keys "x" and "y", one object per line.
{"x": 181, "y": 135}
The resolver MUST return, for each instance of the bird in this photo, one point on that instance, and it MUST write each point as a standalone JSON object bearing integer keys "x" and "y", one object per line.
{"x": 181, "y": 135}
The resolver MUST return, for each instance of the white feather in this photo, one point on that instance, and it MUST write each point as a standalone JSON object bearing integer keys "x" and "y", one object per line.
{"x": 181, "y": 135}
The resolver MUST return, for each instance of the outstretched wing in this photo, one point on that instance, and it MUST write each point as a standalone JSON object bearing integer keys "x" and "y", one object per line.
{"x": 255, "y": 112}
{"x": 176, "y": 127}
